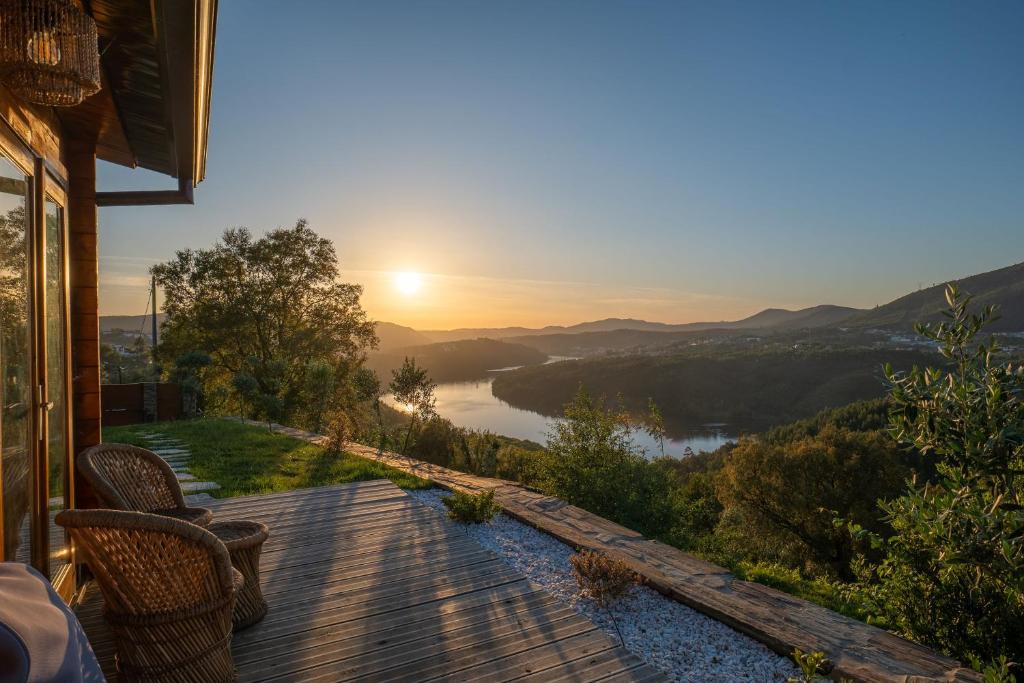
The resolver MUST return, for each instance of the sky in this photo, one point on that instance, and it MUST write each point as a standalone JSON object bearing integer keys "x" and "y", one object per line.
{"x": 543, "y": 163}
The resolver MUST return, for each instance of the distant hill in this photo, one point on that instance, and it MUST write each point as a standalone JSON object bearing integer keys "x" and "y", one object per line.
{"x": 816, "y": 316}
{"x": 606, "y": 325}
{"x": 1004, "y": 287}
{"x": 825, "y": 315}
{"x": 129, "y": 323}
{"x": 461, "y": 360}
{"x": 394, "y": 336}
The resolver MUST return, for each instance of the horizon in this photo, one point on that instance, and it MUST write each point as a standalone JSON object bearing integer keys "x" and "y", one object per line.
{"x": 566, "y": 325}
{"x": 671, "y": 163}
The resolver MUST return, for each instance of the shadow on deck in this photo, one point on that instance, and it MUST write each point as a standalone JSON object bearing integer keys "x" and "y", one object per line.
{"x": 365, "y": 583}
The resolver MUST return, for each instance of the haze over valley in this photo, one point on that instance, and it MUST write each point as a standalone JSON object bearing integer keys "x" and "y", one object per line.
{"x": 712, "y": 380}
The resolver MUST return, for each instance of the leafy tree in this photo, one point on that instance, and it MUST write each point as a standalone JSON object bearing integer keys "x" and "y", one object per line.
{"x": 368, "y": 389}
{"x": 794, "y": 491}
{"x": 267, "y": 312}
{"x": 593, "y": 463}
{"x": 187, "y": 372}
{"x": 654, "y": 425}
{"x": 411, "y": 386}
{"x": 953, "y": 577}
{"x": 319, "y": 390}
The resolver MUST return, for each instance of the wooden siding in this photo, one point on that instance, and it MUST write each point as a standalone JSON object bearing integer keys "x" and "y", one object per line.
{"x": 365, "y": 583}
{"x": 83, "y": 276}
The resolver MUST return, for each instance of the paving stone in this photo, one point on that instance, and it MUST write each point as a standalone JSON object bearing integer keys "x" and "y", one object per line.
{"x": 171, "y": 451}
{"x": 198, "y": 486}
{"x": 199, "y": 499}
{"x": 185, "y": 476}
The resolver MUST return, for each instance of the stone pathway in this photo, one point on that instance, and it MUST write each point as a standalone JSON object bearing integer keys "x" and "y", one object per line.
{"x": 177, "y": 455}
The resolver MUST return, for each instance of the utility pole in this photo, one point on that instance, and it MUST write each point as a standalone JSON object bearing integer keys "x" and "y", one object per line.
{"x": 153, "y": 293}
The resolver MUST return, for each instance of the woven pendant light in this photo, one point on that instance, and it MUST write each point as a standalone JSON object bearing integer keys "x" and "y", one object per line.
{"x": 48, "y": 51}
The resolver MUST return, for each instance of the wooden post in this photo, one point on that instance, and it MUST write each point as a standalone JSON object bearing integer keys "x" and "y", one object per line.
{"x": 83, "y": 266}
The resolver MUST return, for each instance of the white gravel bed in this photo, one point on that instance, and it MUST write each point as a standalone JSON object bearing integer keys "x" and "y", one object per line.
{"x": 676, "y": 639}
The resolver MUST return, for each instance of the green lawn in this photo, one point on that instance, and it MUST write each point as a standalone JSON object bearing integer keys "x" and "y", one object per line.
{"x": 246, "y": 460}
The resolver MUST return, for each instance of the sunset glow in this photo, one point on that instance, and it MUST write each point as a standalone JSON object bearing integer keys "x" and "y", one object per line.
{"x": 408, "y": 283}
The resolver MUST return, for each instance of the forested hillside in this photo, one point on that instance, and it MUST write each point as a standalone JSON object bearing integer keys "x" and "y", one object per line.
{"x": 455, "y": 361}
{"x": 749, "y": 391}
{"x": 1004, "y": 287}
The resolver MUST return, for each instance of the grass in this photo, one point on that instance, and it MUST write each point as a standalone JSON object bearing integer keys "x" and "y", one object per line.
{"x": 247, "y": 460}
{"x": 834, "y": 595}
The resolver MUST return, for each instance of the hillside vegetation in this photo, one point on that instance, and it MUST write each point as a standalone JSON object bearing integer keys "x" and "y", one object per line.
{"x": 391, "y": 336}
{"x": 457, "y": 361}
{"x": 749, "y": 391}
{"x": 1003, "y": 287}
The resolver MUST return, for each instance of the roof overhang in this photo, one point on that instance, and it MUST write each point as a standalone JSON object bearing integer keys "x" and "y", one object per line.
{"x": 153, "y": 110}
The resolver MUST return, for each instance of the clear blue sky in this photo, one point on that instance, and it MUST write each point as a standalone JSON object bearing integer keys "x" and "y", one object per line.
{"x": 553, "y": 162}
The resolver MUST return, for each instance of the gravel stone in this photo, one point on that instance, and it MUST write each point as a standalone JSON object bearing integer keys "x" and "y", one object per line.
{"x": 685, "y": 644}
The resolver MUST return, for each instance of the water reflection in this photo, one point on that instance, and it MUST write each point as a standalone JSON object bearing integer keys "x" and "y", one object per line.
{"x": 472, "y": 405}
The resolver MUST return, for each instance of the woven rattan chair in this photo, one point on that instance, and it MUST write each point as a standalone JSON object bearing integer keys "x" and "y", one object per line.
{"x": 134, "y": 479}
{"x": 168, "y": 590}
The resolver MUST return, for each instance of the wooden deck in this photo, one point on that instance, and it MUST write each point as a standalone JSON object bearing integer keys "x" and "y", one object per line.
{"x": 858, "y": 651}
{"x": 366, "y": 584}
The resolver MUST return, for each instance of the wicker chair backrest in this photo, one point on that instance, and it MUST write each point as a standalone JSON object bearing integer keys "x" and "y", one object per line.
{"x": 130, "y": 478}
{"x": 148, "y": 564}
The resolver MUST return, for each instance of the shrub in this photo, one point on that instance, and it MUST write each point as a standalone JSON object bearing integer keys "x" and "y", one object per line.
{"x": 520, "y": 464}
{"x": 471, "y": 508}
{"x": 794, "y": 491}
{"x": 812, "y": 665}
{"x": 593, "y": 463}
{"x": 436, "y": 442}
{"x": 953, "y": 577}
{"x": 600, "y": 577}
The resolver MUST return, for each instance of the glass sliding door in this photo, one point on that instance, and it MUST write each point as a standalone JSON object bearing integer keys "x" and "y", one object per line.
{"x": 35, "y": 443}
{"x": 54, "y": 396}
{"x": 17, "y": 458}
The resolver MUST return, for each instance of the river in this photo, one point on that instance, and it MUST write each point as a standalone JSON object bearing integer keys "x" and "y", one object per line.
{"x": 472, "y": 405}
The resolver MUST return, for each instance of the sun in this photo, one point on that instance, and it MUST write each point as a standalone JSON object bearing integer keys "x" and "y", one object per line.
{"x": 408, "y": 283}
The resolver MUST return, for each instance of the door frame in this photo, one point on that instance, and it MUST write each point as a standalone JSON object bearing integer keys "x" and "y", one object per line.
{"x": 51, "y": 189}
{"x": 45, "y": 182}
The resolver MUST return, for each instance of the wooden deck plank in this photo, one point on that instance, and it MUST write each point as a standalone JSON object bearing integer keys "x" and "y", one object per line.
{"x": 457, "y": 610}
{"x": 783, "y": 622}
{"x": 599, "y": 665}
{"x": 363, "y": 582}
{"x": 399, "y": 640}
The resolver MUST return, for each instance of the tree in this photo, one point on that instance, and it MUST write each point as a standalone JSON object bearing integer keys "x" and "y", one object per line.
{"x": 187, "y": 373}
{"x": 794, "y": 491}
{"x": 953, "y": 577}
{"x": 654, "y": 425}
{"x": 267, "y": 312}
{"x": 592, "y": 462}
{"x": 411, "y": 386}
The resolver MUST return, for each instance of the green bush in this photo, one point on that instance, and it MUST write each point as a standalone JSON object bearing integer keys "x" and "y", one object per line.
{"x": 953, "y": 577}
{"x": 794, "y": 491}
{"x": 593, "y": 463}
{"x": 471, "y": 508}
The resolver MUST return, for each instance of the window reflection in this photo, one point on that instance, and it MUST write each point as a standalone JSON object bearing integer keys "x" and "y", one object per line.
{"x": 15, "y": 377}
{"x": 55, "y": 378}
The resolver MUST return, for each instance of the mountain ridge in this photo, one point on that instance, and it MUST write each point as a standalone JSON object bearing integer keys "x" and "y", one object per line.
{"x": 813, "y": 316}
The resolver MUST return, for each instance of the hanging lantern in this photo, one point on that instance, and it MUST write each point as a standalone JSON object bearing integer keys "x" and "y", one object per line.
{"x": 48, "y": 51}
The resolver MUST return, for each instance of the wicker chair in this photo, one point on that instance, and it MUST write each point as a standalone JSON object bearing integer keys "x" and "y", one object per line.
{"x": 168, "y": 589}
{"x": 134, "y": 479}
